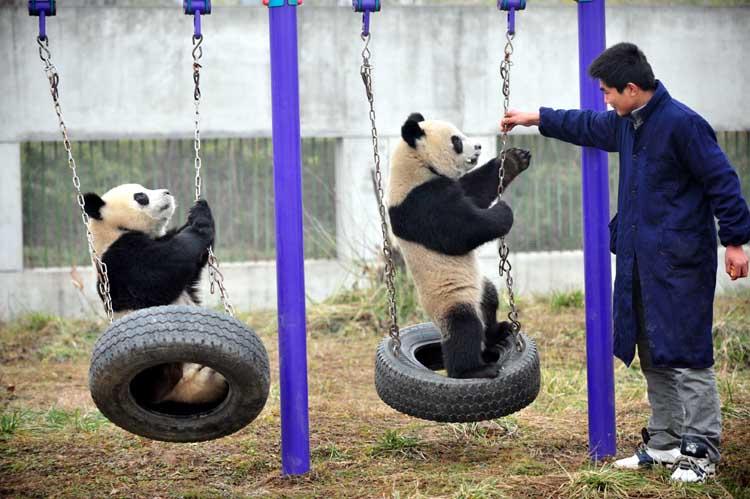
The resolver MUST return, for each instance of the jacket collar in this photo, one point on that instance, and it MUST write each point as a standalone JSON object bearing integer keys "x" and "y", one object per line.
{"x": 660, "y": 96}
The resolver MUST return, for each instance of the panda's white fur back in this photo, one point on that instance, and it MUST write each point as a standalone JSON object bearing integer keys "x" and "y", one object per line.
{"x": 404, "y": 176}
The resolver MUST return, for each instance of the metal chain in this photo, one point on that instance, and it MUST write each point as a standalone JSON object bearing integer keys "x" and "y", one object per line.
{"x": 99, "y": 265}
{"x": 365, "y": 72}
{"x": 215, "y": 277}
{"x": 504, "y": 267}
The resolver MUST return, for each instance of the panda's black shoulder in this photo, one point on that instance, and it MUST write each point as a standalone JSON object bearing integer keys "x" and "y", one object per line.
{"x": 434, "y": 192}
{"x": 424, "y": 203}
{"x": 131, "y": 240}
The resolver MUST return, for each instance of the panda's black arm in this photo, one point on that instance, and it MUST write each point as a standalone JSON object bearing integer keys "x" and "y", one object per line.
{"x": 144, "y": 272}
{"x": 480, "y": 184}
{"x": 439, "y": 216}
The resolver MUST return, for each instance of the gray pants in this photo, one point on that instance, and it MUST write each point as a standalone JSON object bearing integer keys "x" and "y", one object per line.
{"x": 684, "y": 402}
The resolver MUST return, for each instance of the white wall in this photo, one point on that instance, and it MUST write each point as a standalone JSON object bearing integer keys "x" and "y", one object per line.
{"x": 126, "y": 71}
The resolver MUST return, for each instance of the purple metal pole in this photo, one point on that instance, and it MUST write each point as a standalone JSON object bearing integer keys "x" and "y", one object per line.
{"x": 597, "y": 263}
{"x": 290, "y": 270}
{"x": 197, "y": 24}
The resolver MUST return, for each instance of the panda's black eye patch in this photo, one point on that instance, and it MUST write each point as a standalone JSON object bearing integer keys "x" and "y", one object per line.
{"x": 458, "y": 144}
{"x": 140, "y": 198}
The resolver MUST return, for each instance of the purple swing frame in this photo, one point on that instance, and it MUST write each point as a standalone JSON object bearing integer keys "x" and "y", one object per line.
{"x": 295, "y": 433}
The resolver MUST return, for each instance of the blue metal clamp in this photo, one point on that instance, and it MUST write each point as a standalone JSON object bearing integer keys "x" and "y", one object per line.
{"x": 42, "y": 9}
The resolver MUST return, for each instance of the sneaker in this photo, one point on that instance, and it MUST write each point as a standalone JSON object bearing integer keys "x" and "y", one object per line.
{"x": 646, "y": 456}
{"x": 693, "y": 465}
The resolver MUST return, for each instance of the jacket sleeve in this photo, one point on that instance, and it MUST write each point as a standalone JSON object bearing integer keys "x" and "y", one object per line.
{"x": 584, "y": 128}
{"x": 701, "y": 153}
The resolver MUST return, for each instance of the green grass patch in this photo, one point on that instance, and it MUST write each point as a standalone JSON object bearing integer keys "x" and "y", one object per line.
{"x": 567, "y": 299}
{"x": 487, "y": 489}
{"x": 45, "y": 337}
{"x": 329, "y": 452}
{"x": 605, "y": 482}
{"x": 76, "y": 420}
{"x": 10, "y": 422}
{"x": 393, "y": 443}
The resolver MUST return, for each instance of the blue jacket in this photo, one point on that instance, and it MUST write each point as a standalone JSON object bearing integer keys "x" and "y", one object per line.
{"x": 674, "y": 179}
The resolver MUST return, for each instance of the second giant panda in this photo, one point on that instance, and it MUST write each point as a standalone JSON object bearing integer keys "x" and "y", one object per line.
{"x": 440, "y": 209}
{"x": 149, "y": 266}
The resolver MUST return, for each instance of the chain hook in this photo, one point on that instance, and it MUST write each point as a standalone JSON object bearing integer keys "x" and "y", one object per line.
{"x": 390, "y": 268}
{"x": 504, "y": 267}
{"x": 100, "y": 267}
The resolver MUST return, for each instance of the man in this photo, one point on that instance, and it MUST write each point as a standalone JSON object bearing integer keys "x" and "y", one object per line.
{"x": 674, "y": 179}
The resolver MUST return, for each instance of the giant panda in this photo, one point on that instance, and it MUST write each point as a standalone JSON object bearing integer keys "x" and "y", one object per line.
{"x": 149, "y": 266}
{"x": 440, "y": 211}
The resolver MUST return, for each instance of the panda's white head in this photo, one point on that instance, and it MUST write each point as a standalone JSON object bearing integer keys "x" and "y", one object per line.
{"x": 440, "y": 146}
{"x": 128, "y": 207}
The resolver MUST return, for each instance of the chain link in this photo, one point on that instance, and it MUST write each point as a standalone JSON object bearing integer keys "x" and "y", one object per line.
{"x": 504, "y": 267}
{"x": 99, "y": 265}
{"x": 215, "y": 277}
{"x": 365, "y": 72}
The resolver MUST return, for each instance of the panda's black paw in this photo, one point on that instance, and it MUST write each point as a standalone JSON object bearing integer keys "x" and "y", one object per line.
{"x": 497, "y": 334}
{"x": 496, "y": 341}
{"x": 486, "y": 371}
{"x": 200, "y": 215}
{"x": 516, "y": 161}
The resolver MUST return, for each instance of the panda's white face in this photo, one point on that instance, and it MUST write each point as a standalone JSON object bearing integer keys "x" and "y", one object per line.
{"x": 446, "y": 149}
{"x": 133, "y": 207}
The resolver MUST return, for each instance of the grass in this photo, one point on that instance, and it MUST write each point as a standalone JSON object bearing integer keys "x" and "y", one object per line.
{"x": 570, "y": 299}
{"x": 53, "y": 441}
{"x": 395, "y": 444}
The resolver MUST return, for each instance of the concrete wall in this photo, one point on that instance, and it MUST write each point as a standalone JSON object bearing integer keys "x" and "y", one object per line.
{"x": 126, "y": 73}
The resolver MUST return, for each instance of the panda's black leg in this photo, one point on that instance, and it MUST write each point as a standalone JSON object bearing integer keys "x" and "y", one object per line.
{"x": 495, "y": 333}
{"x": 489, "y": 305}
{"x": 463, "y": 332}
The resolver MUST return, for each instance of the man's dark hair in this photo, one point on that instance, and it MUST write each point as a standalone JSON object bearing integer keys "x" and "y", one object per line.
{"x": 622, "y": 64}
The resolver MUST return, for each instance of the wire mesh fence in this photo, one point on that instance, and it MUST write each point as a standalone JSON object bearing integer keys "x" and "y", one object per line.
{"x": 546, "y": 199}
{"x": 237, "y": 182}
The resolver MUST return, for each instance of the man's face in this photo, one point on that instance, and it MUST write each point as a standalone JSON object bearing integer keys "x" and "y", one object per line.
{"x": 622, "y": 102}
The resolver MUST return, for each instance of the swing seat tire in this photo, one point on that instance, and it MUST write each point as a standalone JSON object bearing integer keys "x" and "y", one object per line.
{"x": 177, "y": 333}
{"x": 408, "y": 382}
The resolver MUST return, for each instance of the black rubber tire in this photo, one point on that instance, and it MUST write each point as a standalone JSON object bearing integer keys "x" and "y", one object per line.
{"x": 179, "y": 333}
{"x": 413, "y": 388}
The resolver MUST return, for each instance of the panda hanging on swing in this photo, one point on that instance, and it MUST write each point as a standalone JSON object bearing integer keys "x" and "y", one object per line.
{"x": 440, "y": 209}
{"x": 149, "y": 266}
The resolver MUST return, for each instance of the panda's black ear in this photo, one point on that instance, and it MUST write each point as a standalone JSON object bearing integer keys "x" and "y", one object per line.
{"x": 416, "y": 117}
{"x": 411, "y": 131}
{"x": 92, "y": 204}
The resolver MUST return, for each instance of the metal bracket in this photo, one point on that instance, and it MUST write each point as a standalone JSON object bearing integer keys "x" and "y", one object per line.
{"x": 366, "y": 6}
{"x": 42, "y": 9}
{"x": 195, "y": 8}
{"x": 281, "y": 3}
{"x": 511, "y": 6}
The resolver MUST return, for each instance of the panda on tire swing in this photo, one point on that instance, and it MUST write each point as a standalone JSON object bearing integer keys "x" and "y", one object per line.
{"x": 148, "y": 266}
{"x": 440, "y": 213}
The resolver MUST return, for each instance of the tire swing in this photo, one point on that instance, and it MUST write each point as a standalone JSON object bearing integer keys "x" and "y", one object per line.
{"x": 136, "y": 345}
{"x": 407, "y": 360}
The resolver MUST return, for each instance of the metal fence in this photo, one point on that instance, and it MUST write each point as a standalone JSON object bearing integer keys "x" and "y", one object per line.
{"x": 546, "y": 199}
{"x": 238, "y": 184}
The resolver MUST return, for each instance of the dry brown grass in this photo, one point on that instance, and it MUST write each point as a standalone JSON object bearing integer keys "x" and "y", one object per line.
{"x": 53, "y": 443}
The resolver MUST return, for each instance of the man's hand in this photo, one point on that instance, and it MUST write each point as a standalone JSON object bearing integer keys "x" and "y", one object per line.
{"x": 736, "y": 262}
{"x": 513, "y": 118}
